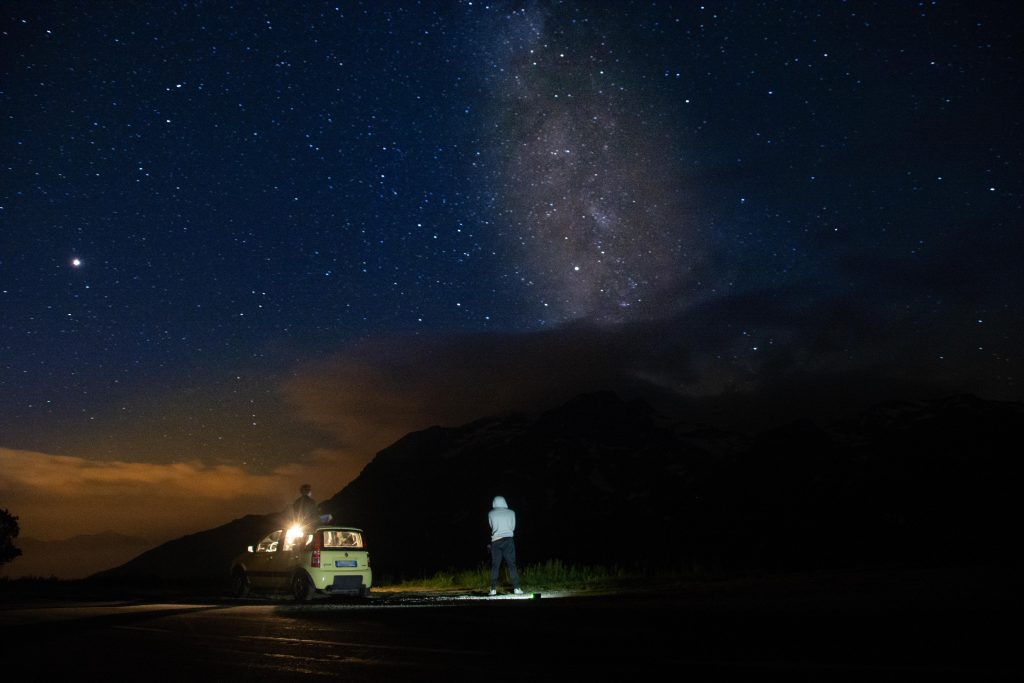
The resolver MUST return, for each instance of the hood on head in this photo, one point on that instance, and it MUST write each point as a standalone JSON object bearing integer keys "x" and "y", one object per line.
{"x": 499, "y": 502}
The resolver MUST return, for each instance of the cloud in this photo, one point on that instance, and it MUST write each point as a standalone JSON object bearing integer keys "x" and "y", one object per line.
{"x": 59, "y": 496}
{"x": 782, "y": 361}
{"x": 374, "y": 393}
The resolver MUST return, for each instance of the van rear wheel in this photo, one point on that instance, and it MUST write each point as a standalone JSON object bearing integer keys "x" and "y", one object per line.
{"x": 302, "y": 587}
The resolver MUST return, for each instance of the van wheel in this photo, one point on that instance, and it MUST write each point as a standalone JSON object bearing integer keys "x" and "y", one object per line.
{"x": 302, "y": 587}
{"x": 239, "y": 583}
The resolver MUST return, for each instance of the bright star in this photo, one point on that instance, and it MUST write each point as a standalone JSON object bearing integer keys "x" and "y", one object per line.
{"x": 76, "y": 262}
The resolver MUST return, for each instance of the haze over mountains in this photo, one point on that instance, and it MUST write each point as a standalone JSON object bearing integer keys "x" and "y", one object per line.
{"x": 73, "y": 558}
{"x": 605, "y": 481}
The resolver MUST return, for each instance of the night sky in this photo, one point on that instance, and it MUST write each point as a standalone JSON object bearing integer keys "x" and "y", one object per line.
{"x": 244, "y": 245}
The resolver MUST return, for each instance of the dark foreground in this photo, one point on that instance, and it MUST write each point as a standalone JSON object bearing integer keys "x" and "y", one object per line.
{"x": 923, "y": 625}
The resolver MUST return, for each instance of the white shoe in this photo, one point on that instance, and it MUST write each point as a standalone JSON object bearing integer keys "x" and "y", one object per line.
{"x": 493, "y": 592}
{"x": 518, "y": 591}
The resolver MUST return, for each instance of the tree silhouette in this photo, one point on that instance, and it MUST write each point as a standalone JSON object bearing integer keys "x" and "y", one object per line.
{"x": 8, "y": 532}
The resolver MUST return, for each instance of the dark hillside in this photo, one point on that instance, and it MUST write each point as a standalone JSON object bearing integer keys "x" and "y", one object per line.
{"x": 606, "y": 481}
{"x": 203, "y": 555}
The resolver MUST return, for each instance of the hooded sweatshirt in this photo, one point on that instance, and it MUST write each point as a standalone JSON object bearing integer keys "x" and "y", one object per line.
{"x": 502, "y": 520}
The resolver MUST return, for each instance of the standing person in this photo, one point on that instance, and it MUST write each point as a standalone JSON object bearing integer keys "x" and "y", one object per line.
{"x": 503, "y": 547}
{"x": 304, "y": 508}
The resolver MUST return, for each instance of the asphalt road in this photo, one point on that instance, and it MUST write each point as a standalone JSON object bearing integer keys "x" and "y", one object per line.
{"x": 697, "y": 633}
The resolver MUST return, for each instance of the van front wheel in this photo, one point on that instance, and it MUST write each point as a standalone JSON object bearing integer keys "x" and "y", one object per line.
{"x": 239, "y": 584}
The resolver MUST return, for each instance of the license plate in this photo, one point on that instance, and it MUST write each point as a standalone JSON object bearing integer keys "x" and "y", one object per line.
{"x": 346, "y": 563}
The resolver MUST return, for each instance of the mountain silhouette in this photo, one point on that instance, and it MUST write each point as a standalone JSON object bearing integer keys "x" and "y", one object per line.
{"x": 601, "y": 480}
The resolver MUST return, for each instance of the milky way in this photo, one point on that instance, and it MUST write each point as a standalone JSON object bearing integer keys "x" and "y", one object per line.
{"x": 589, "y": 187}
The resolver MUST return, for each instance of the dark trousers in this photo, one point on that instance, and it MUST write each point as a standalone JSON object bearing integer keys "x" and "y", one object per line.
{"x": 504, "y": 549}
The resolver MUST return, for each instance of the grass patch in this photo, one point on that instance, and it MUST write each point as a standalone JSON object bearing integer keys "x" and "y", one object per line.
{"x": 549, "y": 575}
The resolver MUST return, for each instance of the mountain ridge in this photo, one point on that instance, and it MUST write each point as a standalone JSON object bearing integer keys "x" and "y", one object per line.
{"x": 602, "y": 480}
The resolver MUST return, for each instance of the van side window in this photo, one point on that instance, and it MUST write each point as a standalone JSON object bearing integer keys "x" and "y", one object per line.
{"x": 269, "y": 543}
